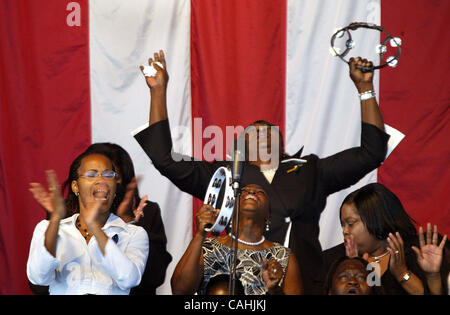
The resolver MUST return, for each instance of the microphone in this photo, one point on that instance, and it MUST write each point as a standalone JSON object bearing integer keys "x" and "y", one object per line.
{"x": 237, "y": 165}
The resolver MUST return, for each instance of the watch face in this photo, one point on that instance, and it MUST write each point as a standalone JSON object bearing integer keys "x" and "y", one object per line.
{"x": 406, "y": 276}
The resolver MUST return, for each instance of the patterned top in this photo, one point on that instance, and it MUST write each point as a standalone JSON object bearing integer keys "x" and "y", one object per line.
{"x": 217, "y": 258}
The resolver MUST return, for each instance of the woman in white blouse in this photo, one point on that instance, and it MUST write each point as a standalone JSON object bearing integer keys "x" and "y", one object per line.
{"x": 93, "y": 251}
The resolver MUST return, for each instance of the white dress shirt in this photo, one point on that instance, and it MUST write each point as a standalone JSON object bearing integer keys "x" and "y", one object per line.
{"x": 80, "y": 267}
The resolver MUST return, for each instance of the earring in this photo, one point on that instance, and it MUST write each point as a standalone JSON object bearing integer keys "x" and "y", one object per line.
{"x": 267, "y": 226}
{"x": 77, "y": 194}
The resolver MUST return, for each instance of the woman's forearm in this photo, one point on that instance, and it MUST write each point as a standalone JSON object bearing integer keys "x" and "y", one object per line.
{"x": 413, "y": 286}
{"x": 51, "y": 235}
{"x": 434, "y": 283}
{"x": 189, "y": 271}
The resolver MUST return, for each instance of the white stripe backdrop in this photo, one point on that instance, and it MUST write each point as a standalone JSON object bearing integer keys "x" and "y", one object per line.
{"x": 322, "y": 105}
{"x": 123, "y": 35}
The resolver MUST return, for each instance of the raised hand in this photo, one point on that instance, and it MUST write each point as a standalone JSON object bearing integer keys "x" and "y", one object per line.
{"x": 397, "y": 262}
{"x": 161, "y": 78}
{"x": 272, "y": 272}
{"x": 362, "y": 80}
{"x": 429, "y": 255}
{"x": 351, "y": 249}
{"x": 139, "y": 211}
{"x": 129, "y": 202}
{"x": 91, "y": 213}
{"x": 51, "y": 200}
{"x": 41, "y": 195}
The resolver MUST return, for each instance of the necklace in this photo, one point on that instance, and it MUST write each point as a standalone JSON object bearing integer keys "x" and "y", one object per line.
{"x": 249, "y": 243}
{"x": 85, "y": 233}
{"x": 377, "y": 258}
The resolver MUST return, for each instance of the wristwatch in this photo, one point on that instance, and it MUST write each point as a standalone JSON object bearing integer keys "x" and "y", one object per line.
{"x": 405, "y": 277}
{"x": 366, "y": 95}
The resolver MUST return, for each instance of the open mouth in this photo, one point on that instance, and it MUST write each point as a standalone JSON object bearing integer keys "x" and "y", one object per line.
{"x": 353, "y": 291}
{"x": 101, "y": 193}
{"x": 251, "y": 196}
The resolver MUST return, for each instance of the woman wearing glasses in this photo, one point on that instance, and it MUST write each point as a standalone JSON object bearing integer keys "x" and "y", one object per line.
{"x": 93, "y": 251}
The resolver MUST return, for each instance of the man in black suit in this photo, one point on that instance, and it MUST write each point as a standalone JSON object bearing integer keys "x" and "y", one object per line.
{"x": 298, "y": 189}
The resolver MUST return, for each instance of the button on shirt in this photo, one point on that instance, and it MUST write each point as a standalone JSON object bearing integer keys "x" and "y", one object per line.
{"x": 80, "y": 267}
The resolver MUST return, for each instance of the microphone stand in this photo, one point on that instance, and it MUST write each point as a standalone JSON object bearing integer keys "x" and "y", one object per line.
{"x": 236, "y": 171}
{"x": 234, "y": 237}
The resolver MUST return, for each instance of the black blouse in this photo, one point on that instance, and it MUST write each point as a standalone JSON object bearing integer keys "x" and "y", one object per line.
{"x": 389, "y": 284}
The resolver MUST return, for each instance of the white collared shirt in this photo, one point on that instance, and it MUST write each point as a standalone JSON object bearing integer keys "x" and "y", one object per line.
{"x": 80, "y": 267}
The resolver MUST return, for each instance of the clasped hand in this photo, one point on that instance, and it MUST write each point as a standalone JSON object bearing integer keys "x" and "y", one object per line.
{"x": 272, "y": 272}
{"x": 205, "y": 217}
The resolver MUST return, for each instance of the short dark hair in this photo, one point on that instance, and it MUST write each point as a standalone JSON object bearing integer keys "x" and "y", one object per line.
{"x": 381, "y": 211}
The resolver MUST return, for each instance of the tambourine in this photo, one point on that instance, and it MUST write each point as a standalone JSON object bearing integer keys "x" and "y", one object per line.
{"x": 221, "y": 177}
{"x": 380, "y": 49}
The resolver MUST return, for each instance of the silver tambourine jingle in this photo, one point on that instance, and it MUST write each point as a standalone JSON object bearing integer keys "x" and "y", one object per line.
{"x": 221, "y": 177}
{"x": 380, "y": 49}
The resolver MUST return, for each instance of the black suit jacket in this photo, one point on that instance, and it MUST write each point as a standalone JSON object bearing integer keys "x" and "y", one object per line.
{"x": 300, "y": 195}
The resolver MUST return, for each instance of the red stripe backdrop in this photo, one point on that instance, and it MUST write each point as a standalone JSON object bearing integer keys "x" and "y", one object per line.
{"x": 238, "y": 58}
{"x": 45, "y": 116}
{"x": 415, "y": 99}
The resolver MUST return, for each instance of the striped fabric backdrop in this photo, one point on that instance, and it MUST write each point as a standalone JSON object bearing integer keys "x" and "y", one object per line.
{"x": 70, "y": 77}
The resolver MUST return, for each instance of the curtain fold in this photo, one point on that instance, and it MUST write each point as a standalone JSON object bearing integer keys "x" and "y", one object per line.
{"x": 415, "y": 98}
{"x": 45, "y": 117}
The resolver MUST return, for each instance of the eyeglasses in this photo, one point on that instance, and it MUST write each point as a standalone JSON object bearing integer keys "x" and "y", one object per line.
{"x": 107, "y": 174}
